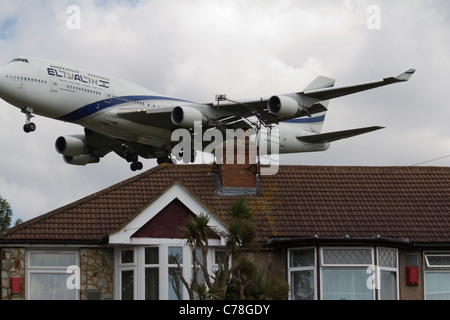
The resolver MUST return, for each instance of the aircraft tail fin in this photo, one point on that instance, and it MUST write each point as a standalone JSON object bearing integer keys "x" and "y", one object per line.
{"x": 318, "y": 110}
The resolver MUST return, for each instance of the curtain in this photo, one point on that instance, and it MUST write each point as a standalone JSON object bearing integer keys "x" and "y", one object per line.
{"x": 345, "y": 284}
{"x": 437, "y": 285}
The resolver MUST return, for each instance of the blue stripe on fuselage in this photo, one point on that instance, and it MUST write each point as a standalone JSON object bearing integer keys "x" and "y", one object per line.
{"x": 97, "y": 106}
{"x": 306, "y": 120}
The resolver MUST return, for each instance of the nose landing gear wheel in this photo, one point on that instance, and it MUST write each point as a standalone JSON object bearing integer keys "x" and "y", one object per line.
{"x": 29, "y": 127}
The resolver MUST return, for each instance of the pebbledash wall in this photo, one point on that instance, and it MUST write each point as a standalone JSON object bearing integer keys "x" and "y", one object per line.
{"x": 96, "y": 273}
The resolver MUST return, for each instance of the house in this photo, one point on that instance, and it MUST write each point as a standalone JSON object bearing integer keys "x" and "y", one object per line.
{"x": 333, "y": 232}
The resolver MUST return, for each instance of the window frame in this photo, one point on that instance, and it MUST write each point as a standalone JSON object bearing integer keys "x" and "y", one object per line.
{"x": 346, "y": 265}
{"x": 139, "y": 266}
{"x": 124, "y": 267}
{"x": 436, "y": 267}
{"x": 380, "y": 268}
{"x": 306, "y": 268}
{"x": 433, "y": 269}
{"x": 42, "y": 269}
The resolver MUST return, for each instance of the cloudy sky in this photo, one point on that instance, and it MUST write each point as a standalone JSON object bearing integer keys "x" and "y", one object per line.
{"x": 197, "y": 48}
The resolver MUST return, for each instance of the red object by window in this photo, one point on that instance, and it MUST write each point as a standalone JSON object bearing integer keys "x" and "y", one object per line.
{"x": 15, "y": 285}
{"x": 412, "y": 276}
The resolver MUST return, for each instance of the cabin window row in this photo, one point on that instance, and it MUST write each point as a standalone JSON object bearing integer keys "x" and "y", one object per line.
{"x": 83, "y": 89}
{"x": 21, "y": 78}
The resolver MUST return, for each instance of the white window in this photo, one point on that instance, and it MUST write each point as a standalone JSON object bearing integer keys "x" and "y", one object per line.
{"x": 47, "y": 275}
{"x": 151, "y": 273}
{"x": 127, "y": 271}
{"x": 344, "y": 273}
{"x": 174, "y": 284}
{"x": 437, "y": 276}
{"x": 302, "y": 273}
{"x": 387, "y": 263}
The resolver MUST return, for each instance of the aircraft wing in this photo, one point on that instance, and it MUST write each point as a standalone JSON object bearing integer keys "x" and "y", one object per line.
{"x": 314, "y": 99}
{"x": 335, "y": 136}
{"x": 331, "y": 93}
{"x": 99, "y": 144}
{"x": 226, "y": 113}
{"x": 159, "y": 117}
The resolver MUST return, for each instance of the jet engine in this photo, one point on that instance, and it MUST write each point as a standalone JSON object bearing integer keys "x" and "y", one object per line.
{"x": 75, "y": 150}
{"x": 284, "y": 106}
{"x": 71, "y": 145}
{"x": 186, "y": 116}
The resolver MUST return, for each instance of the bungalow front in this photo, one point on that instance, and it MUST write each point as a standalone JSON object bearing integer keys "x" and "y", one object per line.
{"x": 330, "y": 232}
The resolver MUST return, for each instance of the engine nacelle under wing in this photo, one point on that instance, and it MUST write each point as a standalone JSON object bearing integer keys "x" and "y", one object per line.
{"x": 187, "y": 116}
{"x": 284, "y": 106}
{"x": 71, "y": 145}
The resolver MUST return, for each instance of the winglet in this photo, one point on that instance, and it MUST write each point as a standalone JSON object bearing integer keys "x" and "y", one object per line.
{"x": 406, "y": 75}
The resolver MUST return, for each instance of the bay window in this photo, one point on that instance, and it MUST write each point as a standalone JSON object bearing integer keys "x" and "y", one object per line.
{"x": 349, "y": 273}
{"x": 153, "y": 272}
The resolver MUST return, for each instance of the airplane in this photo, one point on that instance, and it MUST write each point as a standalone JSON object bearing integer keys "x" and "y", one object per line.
{"x": 135, "y": 122}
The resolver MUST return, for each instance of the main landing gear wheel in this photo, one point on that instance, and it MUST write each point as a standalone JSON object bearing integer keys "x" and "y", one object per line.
{"x": 135, "y": 166}
{"x": 135, "y": 163}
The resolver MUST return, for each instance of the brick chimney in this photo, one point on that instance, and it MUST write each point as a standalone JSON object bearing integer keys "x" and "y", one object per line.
{"x": 237, "y": 166}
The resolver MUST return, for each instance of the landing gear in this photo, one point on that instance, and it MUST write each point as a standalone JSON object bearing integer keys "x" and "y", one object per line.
{"x": 135, "y": 166}
{"x": 135, "y": 163}
{"x": 29, "y": 126}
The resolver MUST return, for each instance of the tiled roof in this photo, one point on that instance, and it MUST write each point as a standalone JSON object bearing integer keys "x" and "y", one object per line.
{"x": 297, "y": 202}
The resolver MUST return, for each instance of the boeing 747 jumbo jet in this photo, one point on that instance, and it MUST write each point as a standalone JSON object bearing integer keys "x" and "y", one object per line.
{"x": 135, "y": 122}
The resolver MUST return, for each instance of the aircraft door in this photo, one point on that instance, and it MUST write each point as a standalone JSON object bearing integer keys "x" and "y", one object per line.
{"x": 53, "y": 86}
{"x": 108, "y": 96}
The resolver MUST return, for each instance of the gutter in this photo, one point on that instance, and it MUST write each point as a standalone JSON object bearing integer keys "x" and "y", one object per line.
{"x": 347, "y": 240}
{"x": 103, "y": 241}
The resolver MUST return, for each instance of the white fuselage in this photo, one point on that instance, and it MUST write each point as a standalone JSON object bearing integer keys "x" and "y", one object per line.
{"x": 92, "y": 100}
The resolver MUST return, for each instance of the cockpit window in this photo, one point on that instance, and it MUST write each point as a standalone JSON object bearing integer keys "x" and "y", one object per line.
{"x": 20, "y": 60}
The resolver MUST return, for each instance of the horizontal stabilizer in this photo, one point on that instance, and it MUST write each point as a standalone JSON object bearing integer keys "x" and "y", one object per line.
{"x": 338, "y": 135}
